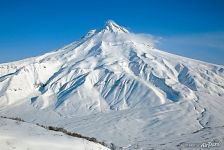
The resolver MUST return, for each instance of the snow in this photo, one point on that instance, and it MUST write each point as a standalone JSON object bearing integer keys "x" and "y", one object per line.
{"x": 21, "y": 136}
{"x": 115, "y": 81}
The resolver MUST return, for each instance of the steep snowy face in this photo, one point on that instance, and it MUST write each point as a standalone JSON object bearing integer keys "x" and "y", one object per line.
{"x": 113, "y": 27}
{"x": 109, "y": 69}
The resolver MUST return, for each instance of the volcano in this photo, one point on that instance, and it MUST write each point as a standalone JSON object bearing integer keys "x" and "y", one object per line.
{"x": 116, "y": 86}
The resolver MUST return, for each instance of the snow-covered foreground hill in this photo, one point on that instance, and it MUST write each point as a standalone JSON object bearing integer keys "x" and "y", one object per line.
{"x": 115, "y": 86}
{"x": 26, "y": 136}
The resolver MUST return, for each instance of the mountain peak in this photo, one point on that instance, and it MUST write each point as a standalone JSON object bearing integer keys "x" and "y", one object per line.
{"x": 111, "y": 23}
{"x": 114, "y": 27}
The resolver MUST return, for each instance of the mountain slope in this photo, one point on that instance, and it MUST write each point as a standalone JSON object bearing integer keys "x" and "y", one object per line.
{"x": 116, "y": 81}
{"x": 20, "y": 135}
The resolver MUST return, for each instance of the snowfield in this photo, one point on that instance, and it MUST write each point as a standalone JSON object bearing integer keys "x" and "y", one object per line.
{"x": 25, "y": 136}
{"x": 114, "y": 85}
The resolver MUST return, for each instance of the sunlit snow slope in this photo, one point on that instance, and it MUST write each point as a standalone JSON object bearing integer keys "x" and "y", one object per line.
{"x": 25, "y": 136}
{"x": 115, "y": 81}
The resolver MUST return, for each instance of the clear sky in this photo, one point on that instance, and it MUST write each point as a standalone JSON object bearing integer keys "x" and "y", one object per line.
{"x": 192, "y": 28}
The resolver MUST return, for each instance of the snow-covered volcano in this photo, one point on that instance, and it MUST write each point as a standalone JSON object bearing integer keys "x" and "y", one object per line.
{"x": 117, "y": 82}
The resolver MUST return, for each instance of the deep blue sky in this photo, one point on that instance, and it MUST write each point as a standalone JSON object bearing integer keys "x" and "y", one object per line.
{"x": 193, "y": 28}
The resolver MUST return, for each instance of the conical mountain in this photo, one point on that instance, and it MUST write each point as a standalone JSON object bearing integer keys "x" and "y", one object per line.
{"x": 120, "y": 79}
